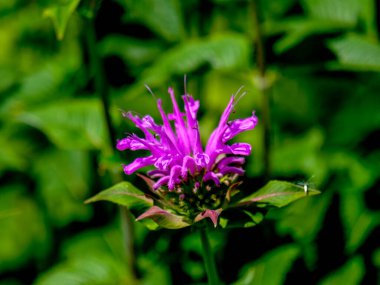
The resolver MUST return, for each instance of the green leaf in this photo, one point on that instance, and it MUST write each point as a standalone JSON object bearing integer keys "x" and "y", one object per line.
{"x": 296, "y": 29}
{"x": 349, "y": 274}
{"x": 277, "y": 194}
{"x": 14, "y": 150}
{"x": 271, "y": 268}
{"x": 60, "y": 14}
{"x": 106, "y": 240}
{"x": 333, "y": 10}
{"x": 70, "y": 124}
{"x": 97, "y": 269}
{"x": 358, "y": 222}
{"x": 162, "y": 16}
{"x": 302, "y": 220}
{"x": 164, "y": 218}
{"x": 356, "y": 52}
{"x": 300, "y": 154}
{"x": 219, "y": 51}
{"x": 125, "y": 194}
{"x": 134, "y": 52}
{"x": 24, "y": 236}
{"x": 62, "y": 179}
{"x": 325, "y": 16}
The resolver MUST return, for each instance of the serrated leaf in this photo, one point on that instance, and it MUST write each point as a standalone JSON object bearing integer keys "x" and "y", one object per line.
{"x": 125, "y": 194}
{"x": 70, "y": 124}
{"x": 164, "y": 218}
{"x": 356, "y": 52}
{"x": 60, "y": 13}
{"x": 277, "y": 194}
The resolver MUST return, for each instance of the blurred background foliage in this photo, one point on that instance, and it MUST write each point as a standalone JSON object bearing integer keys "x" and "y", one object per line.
{"x": 60, "y": 61}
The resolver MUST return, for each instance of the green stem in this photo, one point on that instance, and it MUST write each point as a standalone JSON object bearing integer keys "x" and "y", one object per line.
{"x": 209, "y": 260}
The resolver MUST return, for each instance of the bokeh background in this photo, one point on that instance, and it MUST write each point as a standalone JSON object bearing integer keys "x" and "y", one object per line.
{"x": 310, "y": 69}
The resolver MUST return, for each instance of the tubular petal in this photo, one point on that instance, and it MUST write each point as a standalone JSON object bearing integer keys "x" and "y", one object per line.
{"x": 138, "y": 163}
{"x": 188, "y": 165}
{"x": 202, "y": 159}
{"x": 211, "y": 176}
{"x": 236, "y": 160}
{"x": 123, "y": 144}
{"x": 175, "y": 173}
{"x": 162, "y": 181}
{"x": 240, "y": 125}
{"x": 232, "y": 170}
{"x": 238, "y": 149}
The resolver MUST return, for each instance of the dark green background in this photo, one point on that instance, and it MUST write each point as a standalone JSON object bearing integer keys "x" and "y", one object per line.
{"x": 322, "y": 70}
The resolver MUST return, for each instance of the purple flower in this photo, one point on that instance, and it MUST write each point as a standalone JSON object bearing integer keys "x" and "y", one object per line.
{"x": 192, "y": 178}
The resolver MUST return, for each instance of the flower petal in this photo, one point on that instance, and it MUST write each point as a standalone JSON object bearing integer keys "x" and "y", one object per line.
{"x": 239, "y": 125}
{"x": 188, "y": 166}
{"x": 231, "y": 170}
{"x": 162, "y": 181}
{"x": 138, "y": 163}
{"x": 215, "y": 140}
{"x": 202, "y": 159}
{"x": 211, "y": 176}
{"x": 175, "y": 173}
{"x": 183, "y": 138}
{"x": 235, "y": 160}
{"x": 238, "y": 149}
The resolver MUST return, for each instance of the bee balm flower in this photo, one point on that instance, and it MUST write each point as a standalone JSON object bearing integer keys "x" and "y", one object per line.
{"x": 193, "y": 181}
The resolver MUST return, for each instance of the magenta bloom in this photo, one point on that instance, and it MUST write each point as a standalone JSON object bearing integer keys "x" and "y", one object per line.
{"x": 178, "y": 154}
{"x": 181, "y": 165}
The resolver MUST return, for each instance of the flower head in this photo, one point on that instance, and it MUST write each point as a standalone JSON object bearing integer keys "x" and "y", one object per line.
{"x": 191, "y": 180}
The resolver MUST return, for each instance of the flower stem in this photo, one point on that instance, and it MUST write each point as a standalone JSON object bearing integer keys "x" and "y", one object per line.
{"x": 209, "y": 260}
